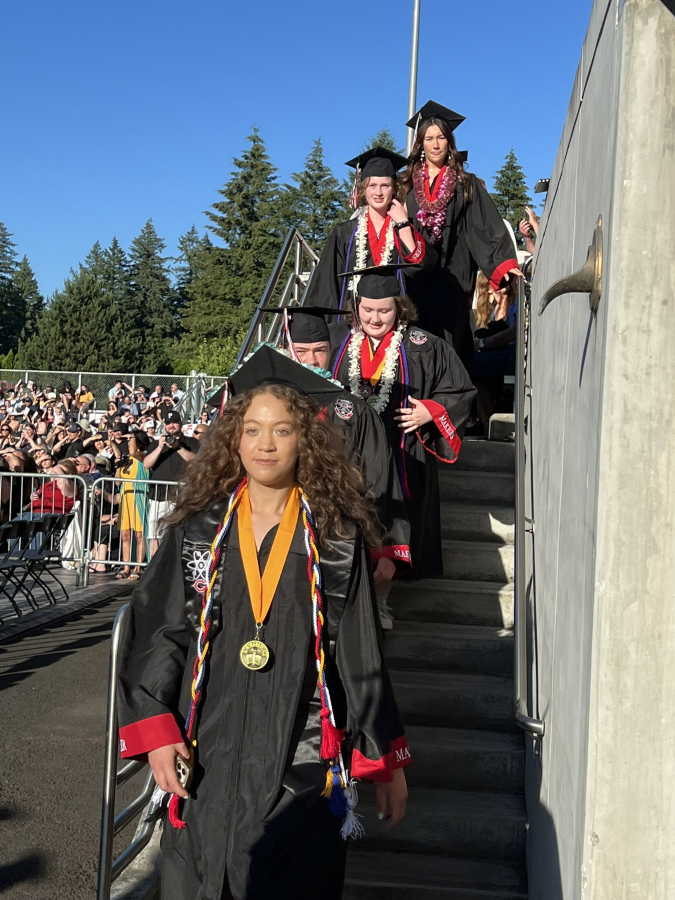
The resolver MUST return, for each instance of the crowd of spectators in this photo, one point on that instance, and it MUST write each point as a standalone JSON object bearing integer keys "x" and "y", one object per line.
{"x": 134, "y": 434}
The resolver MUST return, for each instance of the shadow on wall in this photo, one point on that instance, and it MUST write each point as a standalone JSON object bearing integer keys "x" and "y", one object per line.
{"x": 543, "y": 871}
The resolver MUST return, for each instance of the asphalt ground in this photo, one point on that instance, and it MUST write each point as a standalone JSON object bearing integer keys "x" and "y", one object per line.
{"x": 53, "y": 686}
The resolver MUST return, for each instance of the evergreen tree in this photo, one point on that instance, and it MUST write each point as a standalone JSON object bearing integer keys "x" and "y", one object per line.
{"x": 187, "y": 267}
{"x": 318, "y": 203}
{"x": 150, "y": 298}
{"x": 510, "y": 192}
{"x": 94, "y": 261}
{"x": 384, "y": 138}
{"x": 79, "y": 330}
{"x": 33, "y": 301}
{"x": 12, "y": 307}
{"x": 229, "y": 280}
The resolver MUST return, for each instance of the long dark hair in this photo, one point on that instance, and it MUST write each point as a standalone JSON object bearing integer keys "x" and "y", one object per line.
{"x": 453, "y": 159}
{"x": 334, "y": 487}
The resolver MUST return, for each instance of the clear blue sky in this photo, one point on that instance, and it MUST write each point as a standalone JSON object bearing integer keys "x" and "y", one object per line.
{"x": 117, "y": 112}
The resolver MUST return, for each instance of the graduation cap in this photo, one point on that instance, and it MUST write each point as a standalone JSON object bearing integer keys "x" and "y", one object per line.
{"x": 464, "y": 155}
{"x": 378, "y": 282}
{"x": 307, "y": 324}
{"x": 378, "y": 162}
{"x": 433, "y": 110}
{"x": 267, "y": 365}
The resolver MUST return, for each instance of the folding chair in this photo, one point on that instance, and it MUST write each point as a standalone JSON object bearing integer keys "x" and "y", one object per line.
{"x": 18, "y": 533}
{"x": 48, "y": 557}
{"x": 38, "y": 557}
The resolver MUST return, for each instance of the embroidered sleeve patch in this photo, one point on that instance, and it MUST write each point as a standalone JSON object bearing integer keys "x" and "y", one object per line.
{"x": 418, "y": 337}
{"x": 344, "y": 409}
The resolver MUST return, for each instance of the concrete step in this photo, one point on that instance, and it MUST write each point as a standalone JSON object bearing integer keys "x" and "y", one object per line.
{"x": 411, "y": 876}
{"x": 486, "y": 456}
{"x": 455, "y": 700}
{"x": 462, "y": 760}
{"x": 467, "y": 486}
{"x": 478, "y": 561}
{"x": 459, "y": 602}
{"x": 470, "y": 824}
{"x": 461, "y": 522}
{"x": 479, "y": 649}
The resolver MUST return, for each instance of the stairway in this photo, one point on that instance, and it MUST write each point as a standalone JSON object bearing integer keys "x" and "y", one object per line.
{"x": 451, "y": 661}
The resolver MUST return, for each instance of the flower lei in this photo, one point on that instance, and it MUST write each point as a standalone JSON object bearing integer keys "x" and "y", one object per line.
{"x": 362, "y": 246}
{"x": 432, "y": 213}
{"x": 378, "y": 401}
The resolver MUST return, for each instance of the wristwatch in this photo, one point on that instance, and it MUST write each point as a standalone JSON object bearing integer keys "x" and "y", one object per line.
{"x": 481, "y": 344}
{"x": 399, "y": 225}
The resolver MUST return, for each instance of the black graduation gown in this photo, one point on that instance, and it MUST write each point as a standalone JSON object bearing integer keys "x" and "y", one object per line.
{"x": 255, "y": 815}
{"x": 367, "y": 445}
{"x": 339, "y": 255}
{"x": 474, "y": 237}
{"x": 436, "y": 375}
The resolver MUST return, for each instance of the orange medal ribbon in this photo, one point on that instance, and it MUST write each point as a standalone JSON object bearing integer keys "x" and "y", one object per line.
{"x": 262, "y": 590}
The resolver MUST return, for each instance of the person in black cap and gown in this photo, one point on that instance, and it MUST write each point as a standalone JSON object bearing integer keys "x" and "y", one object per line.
{"x": 423, "y": 393}
{"x": 366, "y": 445}
{"x": 379, "y": 234}
{"x": 458, "y": 218}
{"x": 253, "y": 641}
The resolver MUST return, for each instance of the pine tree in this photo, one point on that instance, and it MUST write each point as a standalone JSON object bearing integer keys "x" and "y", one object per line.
{"x": 384, "y": 138}
{"x": 229, "y": 280}
{"x": 150, "y": 298}
{"x": 186, "y": 267}
{"x": 33, "y": 301}
{"x": 12, "y": 306}
{"x": 318, "y": 203}
{"x": 94, "y": 261}
{"x": 79, "y": 330}
{"x": 510, "y": 192}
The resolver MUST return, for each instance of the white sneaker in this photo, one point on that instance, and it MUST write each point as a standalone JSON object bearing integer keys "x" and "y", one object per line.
{"x": 386, "y": 617}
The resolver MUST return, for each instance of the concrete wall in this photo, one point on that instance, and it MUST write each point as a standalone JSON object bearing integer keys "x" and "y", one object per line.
{"x": 601, "y": 435}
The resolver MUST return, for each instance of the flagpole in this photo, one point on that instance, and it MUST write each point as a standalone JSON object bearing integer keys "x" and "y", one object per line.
{"x": 412, "y": 92}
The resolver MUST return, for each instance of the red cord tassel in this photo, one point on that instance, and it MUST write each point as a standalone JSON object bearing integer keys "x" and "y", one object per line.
{"x": 331, "y": 737}
{"x": 174, "y": 818}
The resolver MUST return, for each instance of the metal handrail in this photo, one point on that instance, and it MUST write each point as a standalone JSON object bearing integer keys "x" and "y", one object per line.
{"x": 296, "y": 283}
{"x": 533, "y": 726}
{"x": 111, "y": 825}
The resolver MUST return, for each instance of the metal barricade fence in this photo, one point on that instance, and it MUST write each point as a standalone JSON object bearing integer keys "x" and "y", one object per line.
{"x": 31, "y": 496}
{"x": 125, "y": 524}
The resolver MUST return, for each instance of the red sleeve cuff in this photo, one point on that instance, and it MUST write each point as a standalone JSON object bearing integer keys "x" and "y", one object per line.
{"x": 141, "y": 737}
{"x": 382, "y": 770}
{"x": 444, "y": 425}
{"x": 417, "y": 254}
{"x": 501, "y": 271}
{"x": 399, "y": 552}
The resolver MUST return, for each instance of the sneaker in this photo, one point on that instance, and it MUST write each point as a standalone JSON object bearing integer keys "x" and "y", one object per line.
{"x": 386, "y": 617}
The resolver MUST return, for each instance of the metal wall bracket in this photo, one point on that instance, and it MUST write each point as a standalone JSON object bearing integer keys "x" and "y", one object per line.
{"x": 588, "y": 280}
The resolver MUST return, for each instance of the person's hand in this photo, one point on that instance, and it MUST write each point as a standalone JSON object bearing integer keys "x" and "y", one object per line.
{"x": 391, "y": 799}
{"x": 411, "y": 419}
{"x": 35, "y": 496}
{"x": 398, "y": 211}
{"x": 384, "y": 570}
{"x": 532, "y": 219}
{"x": 476, "y": 346}
{"x": 525, "y": 228}
{"x": 161, "y": 440}
{"x": 163, "y": 764}
{"x": 515, "y": 272}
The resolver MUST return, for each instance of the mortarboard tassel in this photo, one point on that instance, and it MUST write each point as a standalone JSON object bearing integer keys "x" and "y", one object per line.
{"x": 331, "y": 737}
{"x": 174, "y": 816}
{"x": 354, "y": 195}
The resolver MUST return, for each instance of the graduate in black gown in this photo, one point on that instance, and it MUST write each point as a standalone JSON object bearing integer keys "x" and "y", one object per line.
{"x": 460, "y": 221}
{"x": 423, "y": 393}
{"x": 380, "y": 234}
{"x": 253, "y": 639}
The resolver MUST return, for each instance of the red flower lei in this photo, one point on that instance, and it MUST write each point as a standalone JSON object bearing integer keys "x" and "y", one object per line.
{"x": 432, "y": 213}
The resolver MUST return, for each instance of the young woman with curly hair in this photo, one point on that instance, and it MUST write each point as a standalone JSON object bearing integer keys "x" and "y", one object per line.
{"x": 421, "y": 390}
{"x": 379, "y": 234}
{"x": 457, "y": 217}
{"x": 255, "y": 643}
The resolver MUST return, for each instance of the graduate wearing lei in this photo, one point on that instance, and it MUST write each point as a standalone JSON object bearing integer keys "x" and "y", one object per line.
{"x": 251, "y": 637}
{"x": 460, "y": 221}
{"x": 380, "y": 233}
{"x": 417, "y": 384}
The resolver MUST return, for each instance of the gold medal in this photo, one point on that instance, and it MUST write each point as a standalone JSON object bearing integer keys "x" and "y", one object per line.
{"x": 254, "y": 655}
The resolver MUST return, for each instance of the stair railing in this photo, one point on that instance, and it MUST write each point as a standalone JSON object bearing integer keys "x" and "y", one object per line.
{"x": 142, "y": 809}
{"x": 533, "y": 726}
{"x": 296, "y": 284}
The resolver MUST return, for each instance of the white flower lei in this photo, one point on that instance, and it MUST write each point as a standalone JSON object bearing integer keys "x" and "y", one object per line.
{"x": 377, "y": 401}
{"x": 362, "y": 245}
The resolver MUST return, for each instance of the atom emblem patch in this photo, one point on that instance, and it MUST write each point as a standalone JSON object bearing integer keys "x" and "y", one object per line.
{"x": 418, "y": 337}
{"x": 344, "y": 409}
{"x": 199, "y": 569}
